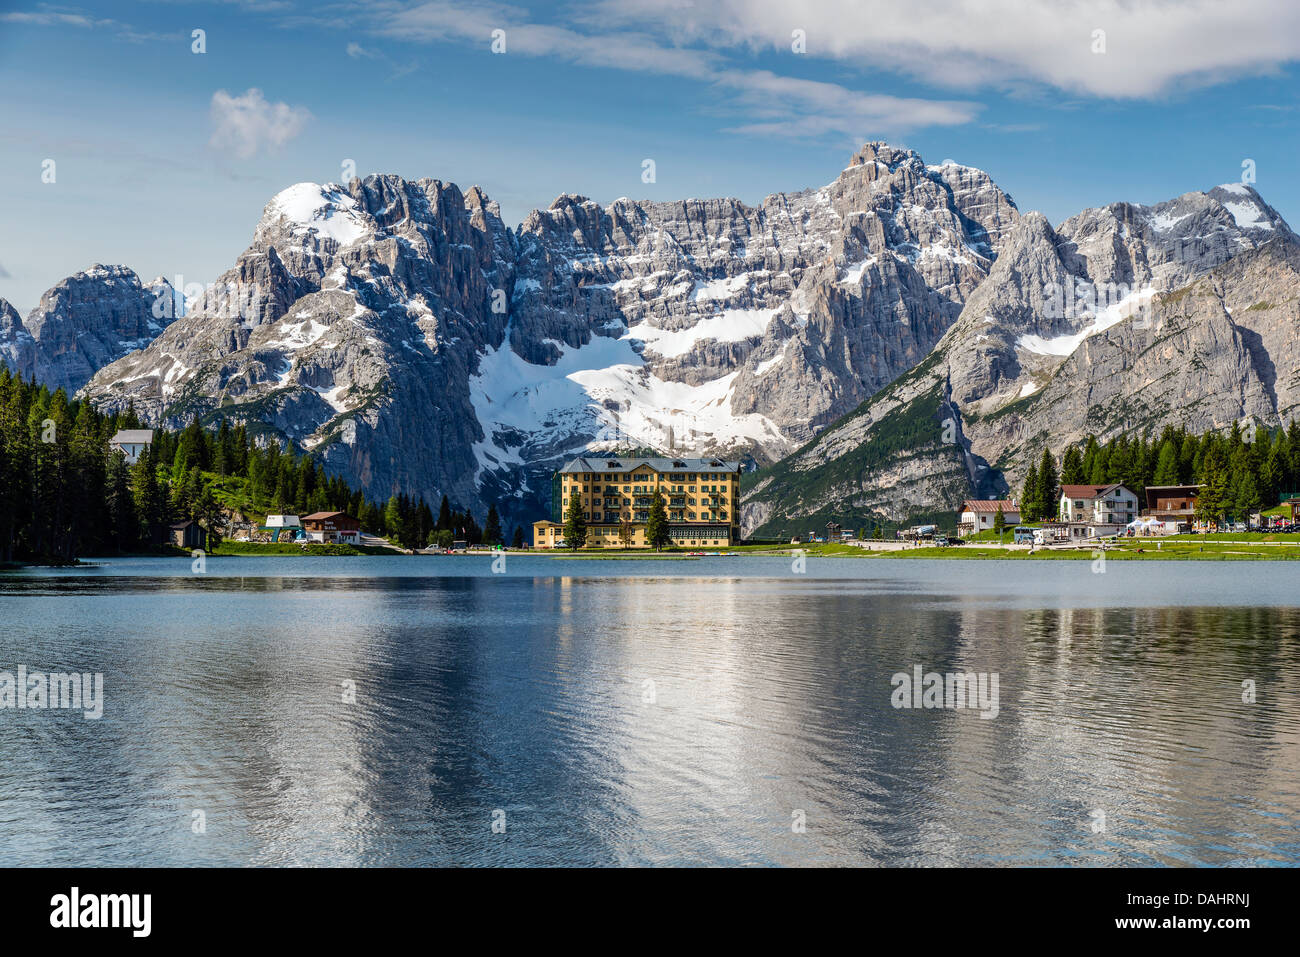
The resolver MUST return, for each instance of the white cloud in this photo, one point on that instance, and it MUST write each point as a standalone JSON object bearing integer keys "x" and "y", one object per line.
{"x": 1152, "y": 46}
{"x": 356, "y": 50}
{"x": 245, "y": 125}
{"x": 47, "y": 16}
{"x": 4, "y": 273}
{"x": 777, "y": 105}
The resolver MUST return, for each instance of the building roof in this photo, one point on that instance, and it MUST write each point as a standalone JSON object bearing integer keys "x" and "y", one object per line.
{"x": 1082, "y": 491}
{"x": 132, "y": 436}
{"x": 322, "y": 516}
{"x": 180, "y": 526}
{"x": 282, "y": 521}
{"x": 989, "y": 505}
{"x": 1174, "y": 489}
{"x": 596, "y": 463}
{"x": 1090, "y": 491}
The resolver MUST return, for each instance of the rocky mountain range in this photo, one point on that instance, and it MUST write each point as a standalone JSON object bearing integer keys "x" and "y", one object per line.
{"x": 882, "y": 346}
{"x": 1123, "y": 319}
{"x": 404, "y": 334}
{"x": 84, "y": 323}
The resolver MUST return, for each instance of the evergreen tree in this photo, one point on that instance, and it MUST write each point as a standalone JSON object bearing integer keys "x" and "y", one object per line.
{"x": 1049, "y": 490}
{"x": 444, "y": 514}
{"x": 1072, "y": 472}
{"x": 518, "y": 541}
{"x": 999, "y": 522}
{"x": 492, "y": 526}
{"x": 1030, "y": 508}
{"x": 1211, "y": 500}
{"x": 656, "y": 529}
{"x": 1167, "y": 464}
{"x": 575, "y": 523}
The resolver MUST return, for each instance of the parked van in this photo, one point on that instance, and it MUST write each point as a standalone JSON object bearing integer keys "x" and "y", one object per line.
{"x": 1023, "y": 535}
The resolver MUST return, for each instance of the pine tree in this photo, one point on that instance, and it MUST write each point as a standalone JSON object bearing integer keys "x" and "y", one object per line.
{"x": 1049, "y": 490}
{"x": 492, "y": 527}
{"x": 656, "y": 529}
{"x": 999, "y": 522}
{"x": 518, "y": 541}
{"x": 1030, "y": 509}
{"x": 575, "y": 523}
{"x": 1167, "y": 464}
{"x": 1211, "y": 501}
{"x": 1072, "y": 467}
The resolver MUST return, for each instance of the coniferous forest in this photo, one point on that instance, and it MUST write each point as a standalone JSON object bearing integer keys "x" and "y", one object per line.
{"x": 1241, "y": 470}
{"x": 64, "y": 494}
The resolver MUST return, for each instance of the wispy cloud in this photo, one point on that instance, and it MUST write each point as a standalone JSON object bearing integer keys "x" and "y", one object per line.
{"x": 1151, "y": 47}
{"x": 45, "y": 15}
{"x": 772, "y": 104}
{"x": 357, "y": 52}
{"x": 4, "y": 273}
{"x": 248, "y": 124}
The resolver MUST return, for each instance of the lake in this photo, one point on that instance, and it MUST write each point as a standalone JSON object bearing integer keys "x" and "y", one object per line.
{"x": 721, "y": 711}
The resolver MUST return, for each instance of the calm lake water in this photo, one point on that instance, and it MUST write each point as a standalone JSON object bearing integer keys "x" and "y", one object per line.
{"x": 717, "y": 711}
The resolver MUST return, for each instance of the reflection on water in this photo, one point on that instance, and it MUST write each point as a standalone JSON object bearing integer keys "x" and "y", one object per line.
{"x": 670, "y": 713}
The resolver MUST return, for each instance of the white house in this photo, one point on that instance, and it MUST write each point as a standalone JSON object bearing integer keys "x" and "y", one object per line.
{"x": 1098, "y": 504}
{"x": 978, "y": 515}
{"x": 131, "y": 442}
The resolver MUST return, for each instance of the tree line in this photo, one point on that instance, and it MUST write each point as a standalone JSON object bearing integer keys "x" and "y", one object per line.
{"x": 1241, "y": 471}
{"x": 64, "y": 493}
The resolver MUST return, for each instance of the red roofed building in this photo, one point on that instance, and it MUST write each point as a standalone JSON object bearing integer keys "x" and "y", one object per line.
{"x": 978, "y": 515}
{"x": 332, "y": 528}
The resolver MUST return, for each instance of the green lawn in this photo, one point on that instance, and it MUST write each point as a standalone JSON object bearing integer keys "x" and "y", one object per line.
{"x": 289, "y": 548}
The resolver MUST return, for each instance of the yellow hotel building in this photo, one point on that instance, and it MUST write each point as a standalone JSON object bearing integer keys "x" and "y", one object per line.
{"x": 700, "y": 496}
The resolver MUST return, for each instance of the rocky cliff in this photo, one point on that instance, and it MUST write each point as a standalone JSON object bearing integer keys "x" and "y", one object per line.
{"x": 84, "y": 323}
{"x": 403, "y": 333}
{"x": 1125, "y": 318}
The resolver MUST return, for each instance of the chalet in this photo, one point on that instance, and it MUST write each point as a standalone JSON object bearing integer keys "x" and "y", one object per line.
{"x": 1172, "y": 504}
{"x": 131, "y": 442}
{"x": 978, "y": 515}
{"x": 188, "y": 535}
{"x": 332, "y": 528}
{"x": 1105, "y": 506}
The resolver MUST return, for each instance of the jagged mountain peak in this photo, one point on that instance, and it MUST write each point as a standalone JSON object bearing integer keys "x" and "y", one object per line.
{"x": 392, "y": 314}
{"x": 1124, "y": 317}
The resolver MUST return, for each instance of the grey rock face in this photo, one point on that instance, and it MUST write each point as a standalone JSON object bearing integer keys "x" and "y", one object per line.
{"x": 1123, "y": 319}
{"x": 17, "y": 347}
{"x": 400, "y": 330}
{"x": 84, "y": 323}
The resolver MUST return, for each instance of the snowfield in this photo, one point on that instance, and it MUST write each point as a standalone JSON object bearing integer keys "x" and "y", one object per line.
{"x": 605, "y": 392}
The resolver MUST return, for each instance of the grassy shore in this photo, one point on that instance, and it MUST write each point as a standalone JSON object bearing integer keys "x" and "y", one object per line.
{"x": 289, "y": 548}
{"x": 1175, "y": 548}
{"x": 1242, "y": 547}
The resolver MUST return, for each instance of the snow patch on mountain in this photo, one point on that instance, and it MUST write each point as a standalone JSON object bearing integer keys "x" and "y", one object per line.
{"x": 328, "y": 211}
{"x": 601, "y": 393}
{"x": 1113, "y": 314}
{"x": 732, "y": 325}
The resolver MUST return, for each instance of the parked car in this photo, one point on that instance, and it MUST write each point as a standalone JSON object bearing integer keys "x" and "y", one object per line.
{"x": 941, "y": 539}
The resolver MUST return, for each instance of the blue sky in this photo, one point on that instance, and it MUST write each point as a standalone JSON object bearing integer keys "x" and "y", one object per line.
{"x": 164, "y": 158}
